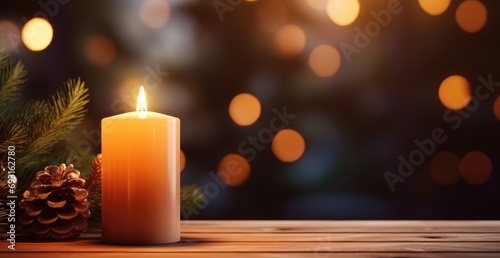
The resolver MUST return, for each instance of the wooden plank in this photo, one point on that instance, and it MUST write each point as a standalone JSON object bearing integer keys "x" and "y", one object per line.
{"x": 322, "y": 237}
{"x": 257, "y": 247}
{"x": 247, "y": 255}
{"x": 294, "y": 239}
{"x": 345, "y": 226}
{"x": 316, "y": 227}
{"x": 342, "y": 237}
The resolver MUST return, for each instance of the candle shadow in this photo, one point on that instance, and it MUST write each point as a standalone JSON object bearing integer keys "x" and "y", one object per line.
{"x": 191, "y": 241}
{"x": 27, "y": 238}
{"x": 185, "y": 241}
{"x": 94, "y": 238}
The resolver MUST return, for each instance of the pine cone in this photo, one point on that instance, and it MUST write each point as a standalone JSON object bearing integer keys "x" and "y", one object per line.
{"x": 94, "y": 187}
{"x": 56, "y": 205}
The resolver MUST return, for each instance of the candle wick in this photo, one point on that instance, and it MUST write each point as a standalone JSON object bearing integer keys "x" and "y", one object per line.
{"x": 141, "y": 103}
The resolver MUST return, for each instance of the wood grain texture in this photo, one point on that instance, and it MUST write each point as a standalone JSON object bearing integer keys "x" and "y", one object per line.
{"x": 292, "y": 239}
{"x": 346, "y": 226}
{"x": 201, "y": 246}
{"x": 248, "y": 255}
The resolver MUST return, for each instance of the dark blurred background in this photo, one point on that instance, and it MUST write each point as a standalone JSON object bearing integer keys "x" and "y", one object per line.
{"x": 360, "y": 87}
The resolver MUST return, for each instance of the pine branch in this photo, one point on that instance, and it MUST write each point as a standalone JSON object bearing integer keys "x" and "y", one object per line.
{"x": 66, "y": 112}
{"x": 11, "y": 84}
{"x": 11, "y": 78}
{"x": 12, "y": 134}
{"x": 35, "y": 115}
{"x": 20, "y": 124}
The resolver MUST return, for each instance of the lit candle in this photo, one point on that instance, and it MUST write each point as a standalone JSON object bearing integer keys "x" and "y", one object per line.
{"x": 140, "y": 177}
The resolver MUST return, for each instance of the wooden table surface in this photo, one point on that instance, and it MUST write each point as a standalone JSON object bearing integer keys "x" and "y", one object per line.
{"x": 291, "y": 239}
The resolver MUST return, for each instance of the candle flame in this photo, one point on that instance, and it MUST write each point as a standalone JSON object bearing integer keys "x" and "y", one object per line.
{"x": 141, "y": 103}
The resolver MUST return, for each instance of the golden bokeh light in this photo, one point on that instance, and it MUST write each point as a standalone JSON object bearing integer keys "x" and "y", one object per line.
{"x": 454, "y": 92}
{"x": 342, "y": 12}
{"x": 324, "y": 60}
{"x": 37, "y": 34}
{"x": 471, "y": 15}
{"x": 100, "y": 50}
{"x": 496, "y": 108}
{"x": 288, "y": 145}
{"x": 182, "y": 161}
{"x": 11, "y": 35}
{"x": 290, "y": 40}
{"x": 475, "y": 167}
{"x": 434, "y": 7}
{"x": 444, "y": 168}
{"x": 244, "y": 109}
{"x": 154, "y": 13}
{"x": 233, "y": 170}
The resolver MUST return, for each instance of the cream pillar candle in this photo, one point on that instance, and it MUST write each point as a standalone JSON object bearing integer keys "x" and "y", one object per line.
{"x": 140, "y": 177}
